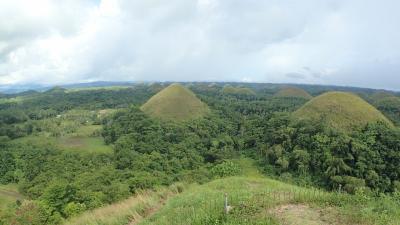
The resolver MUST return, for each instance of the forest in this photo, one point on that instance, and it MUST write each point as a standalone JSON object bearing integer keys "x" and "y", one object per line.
{"x": 67, "y": 152}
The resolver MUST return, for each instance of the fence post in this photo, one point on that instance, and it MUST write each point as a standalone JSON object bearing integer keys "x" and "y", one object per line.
{"x": 226, "y": 204}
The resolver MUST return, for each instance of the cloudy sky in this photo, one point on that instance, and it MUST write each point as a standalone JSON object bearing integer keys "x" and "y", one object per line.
{"x": 342, "y": 42}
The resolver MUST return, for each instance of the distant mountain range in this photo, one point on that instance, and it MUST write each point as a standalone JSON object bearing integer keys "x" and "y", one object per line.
{"x": 12, "y": 89}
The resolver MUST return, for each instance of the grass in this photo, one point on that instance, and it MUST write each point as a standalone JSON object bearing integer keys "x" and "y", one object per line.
{"x": 129, "y": 211}
{"x": 254, "y": 199}
{"x": 8, "y": 196}
{"x": 84, "y": 144}
{"x": 341, "y": 110}
{"x": 175, "y": 103}
{"x": 228, "y": 89}
{"x": 293, "y": 92}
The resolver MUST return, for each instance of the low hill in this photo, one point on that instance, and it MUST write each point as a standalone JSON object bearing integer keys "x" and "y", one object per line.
{"x": 390, "y": 106}
{"x": 175, "y": 103}
{"x": 252, "y": 199}
{"x": 293, "y": 92}
{"x": 228, "y": 89}
{"x": 56, "y": 89}
{"x": 341, "y": 110}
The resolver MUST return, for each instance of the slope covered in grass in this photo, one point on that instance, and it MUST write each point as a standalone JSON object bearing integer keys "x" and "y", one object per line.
{"x": 175, "y": 103}
{"x": 253, "y": 199}
{"x": 340, "y": 110}
{"x": 8, "y": 197}
{"x": 130, "y": 211}
{"x": 228, "y": 89}
{"x": 293, "y": 92}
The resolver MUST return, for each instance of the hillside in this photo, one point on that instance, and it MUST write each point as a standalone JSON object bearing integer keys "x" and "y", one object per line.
{"x": 341, "y": 110}
{"x": 228, "y": 89}
{"x": 293, "y": 92}
{"x": 175, "y": 103}
{"x": 253, "y": 199}
{"x": 389, "y": 105}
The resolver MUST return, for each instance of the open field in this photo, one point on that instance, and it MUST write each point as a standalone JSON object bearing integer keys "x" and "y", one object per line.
{"x": 8, "y": 197}
{"x": 84, "y": 144}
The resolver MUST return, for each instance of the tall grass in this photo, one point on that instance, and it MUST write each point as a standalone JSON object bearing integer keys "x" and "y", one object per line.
{"x": 254, "y": 200}
{"x": 129, "y": 211}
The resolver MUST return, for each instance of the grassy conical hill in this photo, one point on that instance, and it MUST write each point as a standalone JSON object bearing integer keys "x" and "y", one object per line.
{"x": 175, "y": 103}
{"x": 341, "y": 110}
{"x": 230, "y": 90}
{"x": 293, "y": 92}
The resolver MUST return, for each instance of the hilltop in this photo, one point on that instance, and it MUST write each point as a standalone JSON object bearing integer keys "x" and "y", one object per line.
{"x": 341, "y": 110}
{"x": 228, "y": 89}
{"x": 175, "y": 103}
{"x": 293, "y": 92}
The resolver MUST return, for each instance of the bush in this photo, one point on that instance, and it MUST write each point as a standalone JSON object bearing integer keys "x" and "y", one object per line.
{"x": 225, "y": 169}
{"x": 72, "y": 209}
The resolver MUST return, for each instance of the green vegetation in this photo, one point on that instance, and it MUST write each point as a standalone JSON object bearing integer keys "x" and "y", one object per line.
{"x": 340, "y": 110}
{"x": 293, "y": 92}
{"x": 389, "y": 104}
{"x": 253, "y": 199}
{"x": 129, "y": 211}
{"x": 259, "y": 200}
{"x": 230, "y": 90}
{"x": 175, "y": 103}
{"x": 9, "y": 196}
{"x": 80, "y": 156}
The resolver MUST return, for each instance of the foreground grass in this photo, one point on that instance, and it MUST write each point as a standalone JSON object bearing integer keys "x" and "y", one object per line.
{"x": 259, "y": 201}
{"x": 254, "y": 200}
{"x": 129, "y": 211}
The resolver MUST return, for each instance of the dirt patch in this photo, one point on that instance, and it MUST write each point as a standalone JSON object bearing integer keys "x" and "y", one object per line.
{"x": 300, "y": 214}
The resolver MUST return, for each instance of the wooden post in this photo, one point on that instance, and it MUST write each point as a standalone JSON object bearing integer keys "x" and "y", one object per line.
{"x": 340, "y": 188}
{"x": 226, "y": 204}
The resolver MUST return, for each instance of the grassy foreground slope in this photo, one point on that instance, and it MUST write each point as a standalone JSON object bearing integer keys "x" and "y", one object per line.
{"x": 175, "y": 103}
{"x": 341, "y": 110}
{"x": 254, "y": 200}
{"x": 293, "y": 92}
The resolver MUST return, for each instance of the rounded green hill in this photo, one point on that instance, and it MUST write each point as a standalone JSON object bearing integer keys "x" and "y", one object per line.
{"x": 293, "y": 92}
{"x": 340, "y": 110}
{"x": 175, "y": 102}
{"x": 230, "y": 90}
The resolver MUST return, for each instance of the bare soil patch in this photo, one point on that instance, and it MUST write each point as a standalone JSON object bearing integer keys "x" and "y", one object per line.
{"x": 300, "y": 214}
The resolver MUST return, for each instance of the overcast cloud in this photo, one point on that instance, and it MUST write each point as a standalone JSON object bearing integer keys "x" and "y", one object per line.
{"x": 343, "y": 42}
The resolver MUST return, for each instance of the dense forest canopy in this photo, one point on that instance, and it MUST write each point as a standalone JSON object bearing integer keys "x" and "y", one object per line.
{"x": 45, "y": 137}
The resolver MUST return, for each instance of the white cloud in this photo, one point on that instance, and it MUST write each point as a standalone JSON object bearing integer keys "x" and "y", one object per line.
{"x": 273, "y": 41}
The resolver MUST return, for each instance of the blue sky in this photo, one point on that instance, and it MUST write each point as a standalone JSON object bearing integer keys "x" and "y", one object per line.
{"x": 341, "y": 42}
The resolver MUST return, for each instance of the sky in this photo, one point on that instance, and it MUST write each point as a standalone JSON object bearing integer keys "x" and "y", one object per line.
{"x": 335, "y": 42}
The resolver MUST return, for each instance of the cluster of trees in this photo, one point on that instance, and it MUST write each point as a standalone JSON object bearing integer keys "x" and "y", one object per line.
{"x": 316, "y": 154}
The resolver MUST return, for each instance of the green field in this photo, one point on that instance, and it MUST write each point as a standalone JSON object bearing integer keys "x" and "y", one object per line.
{"x": 8, "y": 197}
{"x": 84, "y": 144}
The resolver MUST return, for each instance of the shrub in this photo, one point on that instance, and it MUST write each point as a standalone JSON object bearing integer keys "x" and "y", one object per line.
{"x": 225, "y": 169}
